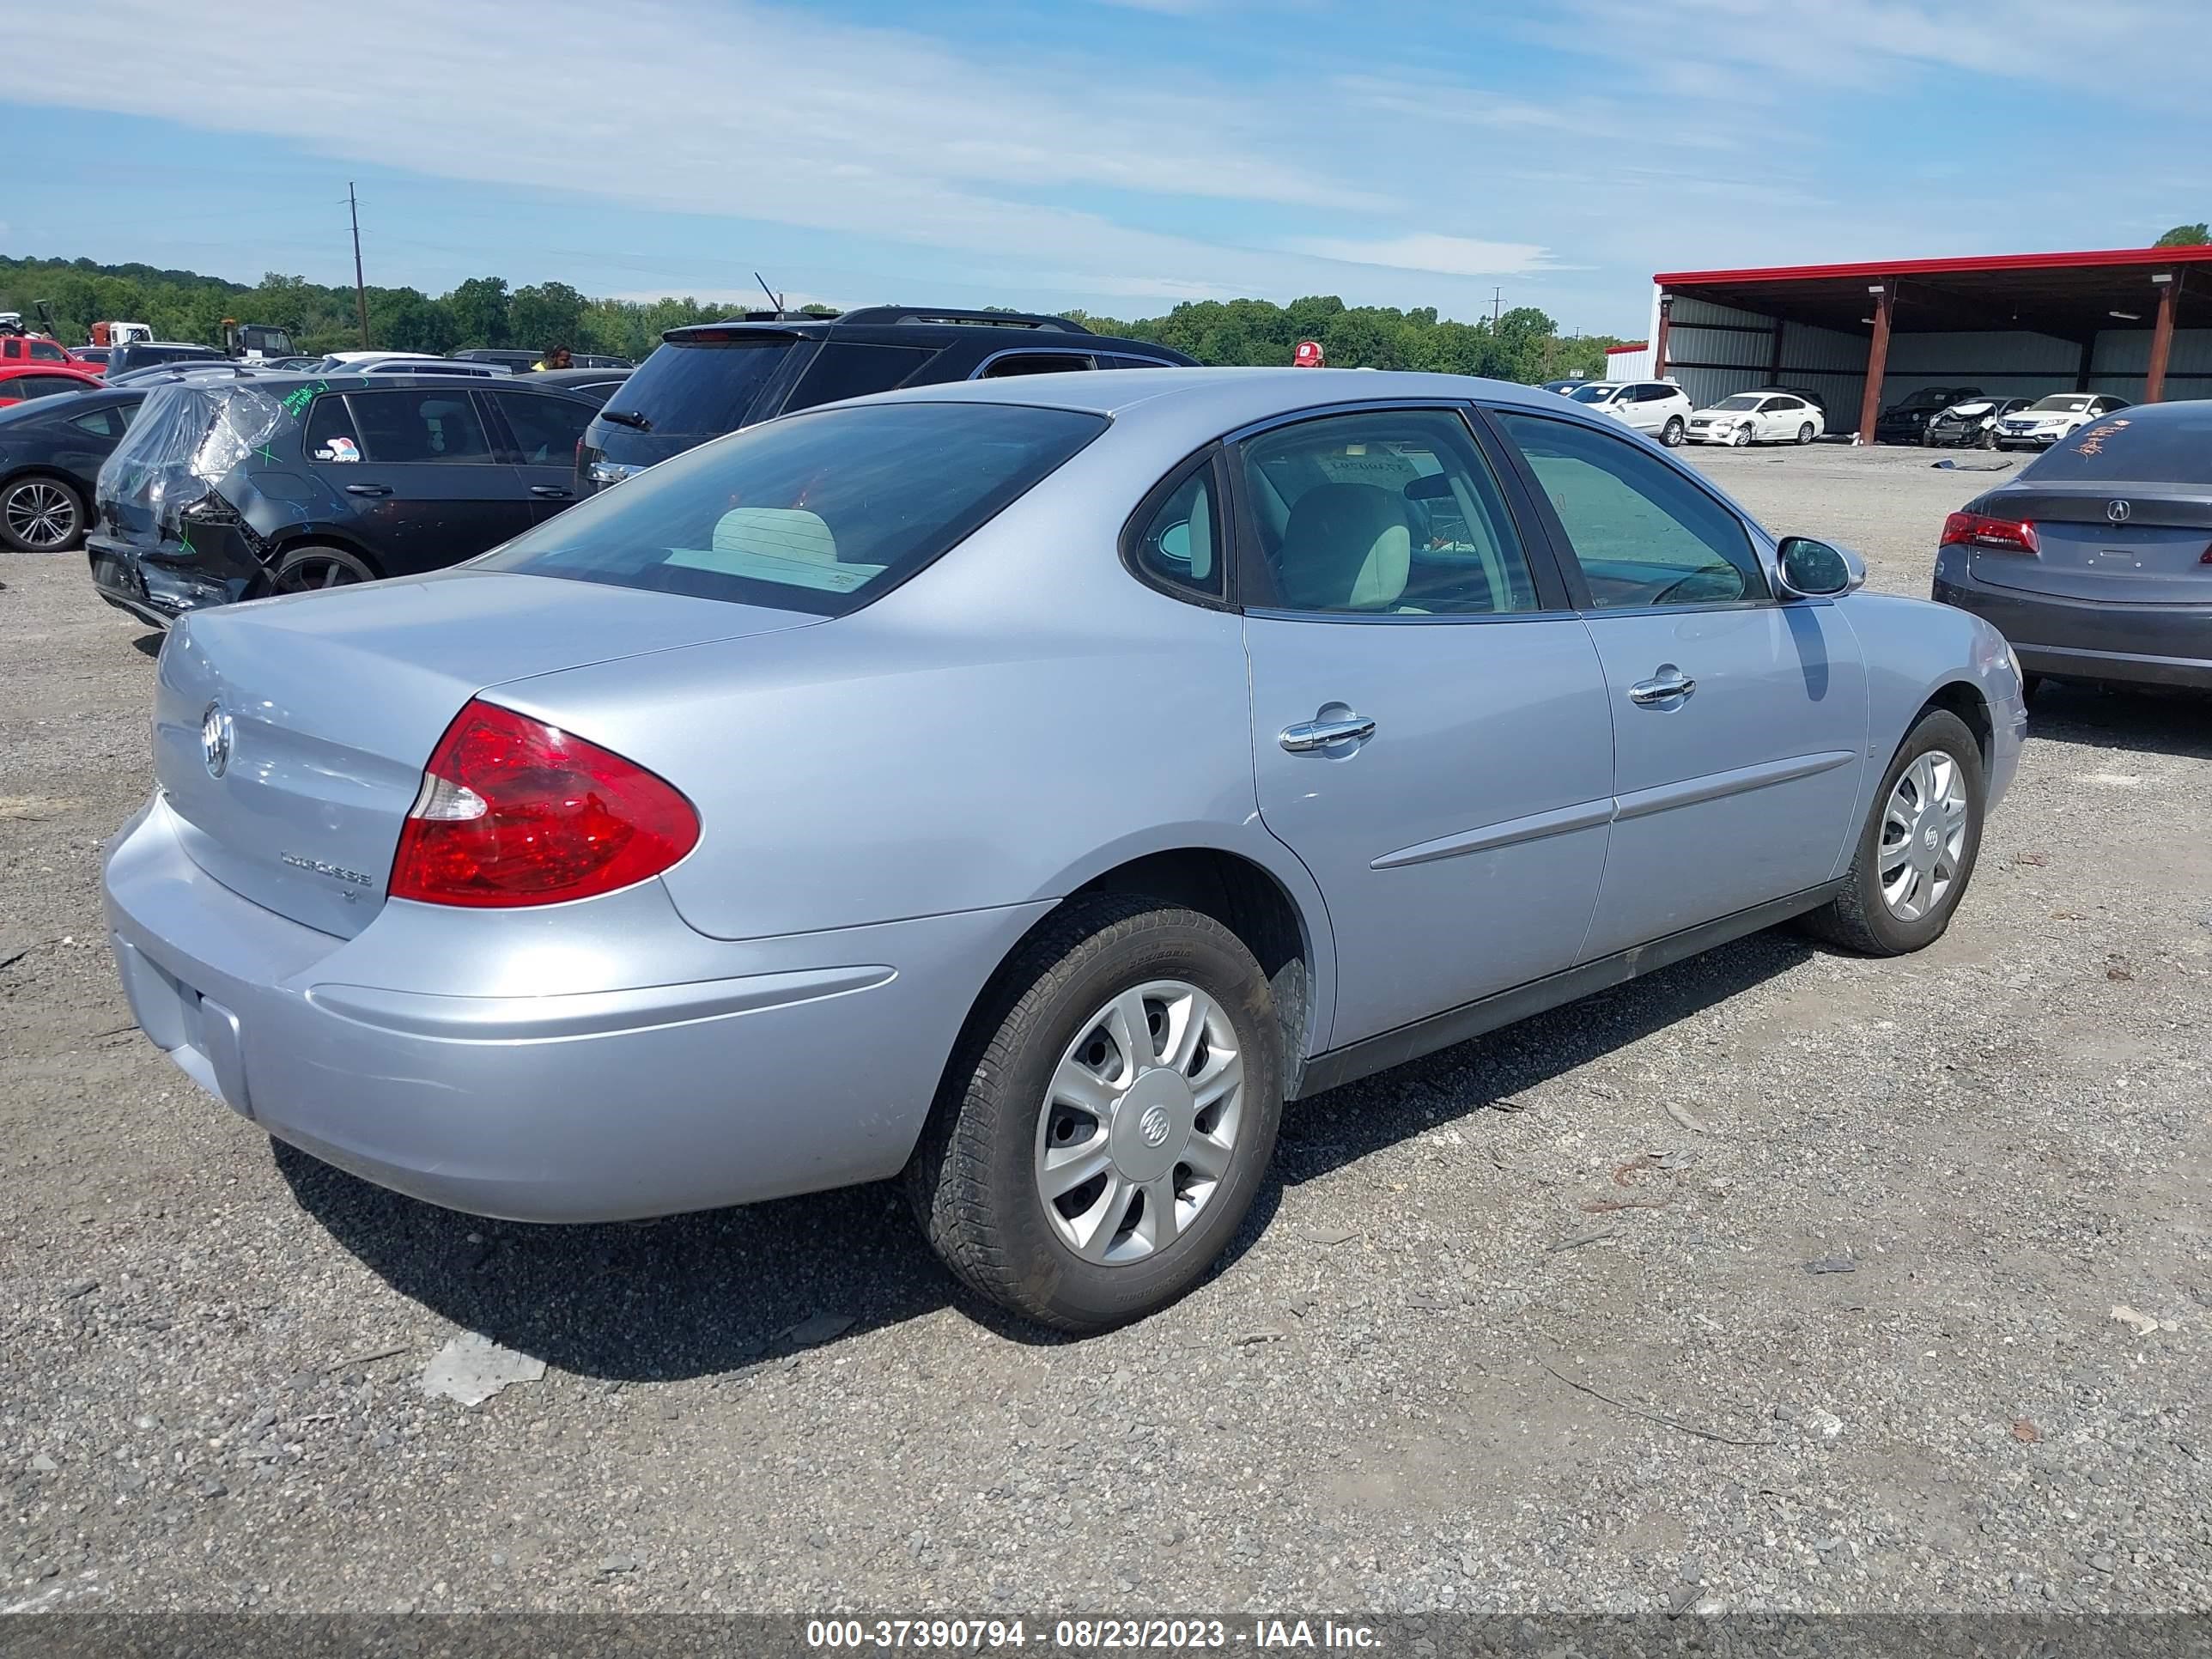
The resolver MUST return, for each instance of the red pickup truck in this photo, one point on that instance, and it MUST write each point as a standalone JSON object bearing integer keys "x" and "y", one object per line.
{"x": 17, "y": 351}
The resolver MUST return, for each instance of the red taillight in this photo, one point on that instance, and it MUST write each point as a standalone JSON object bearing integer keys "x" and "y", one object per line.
{"x": 1979, "y": 530}
{"x": 515, "y": 811}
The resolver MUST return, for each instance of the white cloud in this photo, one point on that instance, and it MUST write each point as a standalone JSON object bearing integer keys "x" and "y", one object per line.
{"x": 1452, "y": 256}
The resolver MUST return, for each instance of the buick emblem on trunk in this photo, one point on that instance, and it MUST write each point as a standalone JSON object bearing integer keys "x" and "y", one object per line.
{"x": 214, "y": 739}
{"x": 2117, "y": 511}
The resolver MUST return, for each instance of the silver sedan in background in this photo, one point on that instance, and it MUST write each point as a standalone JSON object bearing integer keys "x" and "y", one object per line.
{"x": 1024, "y": 785}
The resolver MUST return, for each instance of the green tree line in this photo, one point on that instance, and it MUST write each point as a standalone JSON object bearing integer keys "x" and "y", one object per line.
{"x": 1523, "y": 344}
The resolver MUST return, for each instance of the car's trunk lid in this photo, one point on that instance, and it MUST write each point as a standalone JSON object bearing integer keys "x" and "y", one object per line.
{"x": 2153, "y": 552}
{"x": 289, "y": 736}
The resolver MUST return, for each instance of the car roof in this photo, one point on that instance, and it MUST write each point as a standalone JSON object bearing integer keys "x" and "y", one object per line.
{"x": 1223, "y": 398}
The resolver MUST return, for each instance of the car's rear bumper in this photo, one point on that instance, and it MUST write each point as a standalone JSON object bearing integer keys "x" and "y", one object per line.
{"x": 154, "y": 589}
{"x": 2088, "y": 640}
{"x": 809, "y": 1063}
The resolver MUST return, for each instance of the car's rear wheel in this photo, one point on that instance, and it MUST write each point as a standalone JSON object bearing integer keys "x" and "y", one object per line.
{"x": 39, "y": 514}
{"x": 1916, "y": 850}
{"x": 1671, "y": 433}
{"x": 1805, "y": 433}
{"x": 304, "y": 569}
{"x": 1109, "y": 1118}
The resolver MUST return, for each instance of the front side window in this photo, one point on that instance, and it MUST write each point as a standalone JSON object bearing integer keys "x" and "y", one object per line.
{"x": 46, "y": 351}
{"x": 818, "y": 512}
{"x": 1180, "y": 543}
{"x": 402, "y": 426}
{"x": 546, "y": 429}
{"x": 1641, "y": 533}
{"x": 1386, "y": 512}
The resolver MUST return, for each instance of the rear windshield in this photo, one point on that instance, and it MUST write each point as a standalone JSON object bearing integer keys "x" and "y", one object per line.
{"x": 2174, "y": 446}
{"x": 819, "y": 512}
{"x": 701, "y": 390}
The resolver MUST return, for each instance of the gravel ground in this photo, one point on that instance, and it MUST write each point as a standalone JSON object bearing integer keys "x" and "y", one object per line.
{"x": 1852, "y": 1344}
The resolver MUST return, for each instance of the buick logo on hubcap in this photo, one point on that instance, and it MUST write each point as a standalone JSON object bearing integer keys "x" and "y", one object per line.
{"x": 1153, "y": 1126}
{"x": 2118, "y": 512}
{"x": 214, "y": 739}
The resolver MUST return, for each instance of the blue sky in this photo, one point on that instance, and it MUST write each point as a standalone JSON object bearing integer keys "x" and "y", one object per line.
{"x": 1116, "y": 155}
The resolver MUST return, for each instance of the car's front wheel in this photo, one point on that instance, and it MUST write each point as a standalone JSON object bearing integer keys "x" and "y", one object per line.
{"x": 1917, "y": 849}
{"x": 1742, "y": 438}
{"x": 1671, "y": 433}
{"x": 1109, "y": 1118}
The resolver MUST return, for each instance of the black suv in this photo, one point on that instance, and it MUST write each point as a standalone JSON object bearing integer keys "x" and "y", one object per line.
{"x": 224, "y": 490}
{"x": 713, "y": 378}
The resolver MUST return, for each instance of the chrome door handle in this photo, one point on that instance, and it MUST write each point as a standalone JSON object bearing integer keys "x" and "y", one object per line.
{"x": 1309, "y": 735}
{"x": 368, "y": 489}
{"x": 1663, "y": 687}
{"x": 549, "y": 492}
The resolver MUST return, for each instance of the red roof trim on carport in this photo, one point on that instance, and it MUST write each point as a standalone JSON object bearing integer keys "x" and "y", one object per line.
{"x": 1633, "y": 345}
{"x": 1875, "y": 270}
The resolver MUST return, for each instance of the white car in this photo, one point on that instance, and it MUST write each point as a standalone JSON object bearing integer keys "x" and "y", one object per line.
{"x": 406, "y": 363}
{"x": 1758, "y": 418}
{"x": 1658, "y": 407}
{"x": 2059, "y": 416}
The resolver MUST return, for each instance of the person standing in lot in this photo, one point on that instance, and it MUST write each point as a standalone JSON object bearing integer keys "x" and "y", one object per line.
{"x": 556, "y": 357}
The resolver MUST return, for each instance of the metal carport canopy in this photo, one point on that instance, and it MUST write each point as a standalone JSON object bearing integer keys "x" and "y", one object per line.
{"x": 2067, "y": 296}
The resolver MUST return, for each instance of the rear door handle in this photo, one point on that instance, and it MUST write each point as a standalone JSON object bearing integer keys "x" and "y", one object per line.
{"x": 1669, "y": 683}
{"x": 368, "y": 489}
{"x": 1309, "y": 735}
{"x": 551, "y": 492}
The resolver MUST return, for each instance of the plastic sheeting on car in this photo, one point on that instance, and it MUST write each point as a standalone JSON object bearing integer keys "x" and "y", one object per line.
{"x": 186, "y": 438}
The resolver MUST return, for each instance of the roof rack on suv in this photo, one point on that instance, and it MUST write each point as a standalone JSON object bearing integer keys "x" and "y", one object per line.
{"x": 900, "y": 316}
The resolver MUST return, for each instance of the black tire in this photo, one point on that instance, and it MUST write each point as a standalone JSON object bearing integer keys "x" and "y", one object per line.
{"x": 1805, "y": 433}
{"x": 1858, "y": 919}
{"x": 1671, "y": 433}
{"x": 318, "y": 565}
{"x": 972, "y": 1179}
{"x": 40, "y": 513}
{"x": 1989, "y": 439}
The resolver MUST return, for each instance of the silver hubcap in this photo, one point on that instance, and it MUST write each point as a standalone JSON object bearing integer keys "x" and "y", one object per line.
{"x": 1141, "y": 1122}
{"x": 310, "y": 574}
{"x": 41, "y": 515}
{"x": 1924, "y": 836}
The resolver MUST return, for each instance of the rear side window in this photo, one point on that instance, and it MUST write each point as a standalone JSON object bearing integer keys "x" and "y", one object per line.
{"x": 690, "y": 391}
{"x": 842, "y": 369}
{"x": 108, "y": 423}
{"x": 1037, "y": 362}
{"x": 331, "y": 434}
{"x": 400, "y": 427}
{"x": 2173, "y": 445}
{"x": 818, "y": 512}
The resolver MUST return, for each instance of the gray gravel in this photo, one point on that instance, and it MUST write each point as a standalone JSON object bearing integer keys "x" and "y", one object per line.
{"x": 1852, "y": 1345}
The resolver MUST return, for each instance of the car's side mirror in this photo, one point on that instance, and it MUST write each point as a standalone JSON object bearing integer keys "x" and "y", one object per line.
{"x": 1815, "y": 570}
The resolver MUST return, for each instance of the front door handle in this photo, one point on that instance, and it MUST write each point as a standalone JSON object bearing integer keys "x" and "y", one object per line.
{"x": 368, "y": 489}
{"x": 1309, "y": 735}
{"x": 1666, "y": 685}
{"x": 551, "y": 492}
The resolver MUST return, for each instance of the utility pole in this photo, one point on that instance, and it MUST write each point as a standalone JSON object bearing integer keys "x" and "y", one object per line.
{"x": 360, "y": 291}
{"x": 1497, "y": 302}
